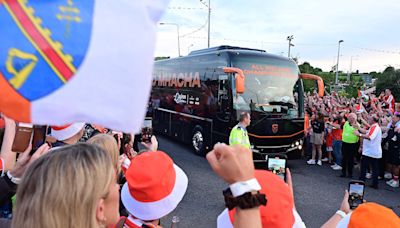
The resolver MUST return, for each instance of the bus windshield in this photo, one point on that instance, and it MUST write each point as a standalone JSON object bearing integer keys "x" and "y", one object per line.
{"x": 269, "y": 84}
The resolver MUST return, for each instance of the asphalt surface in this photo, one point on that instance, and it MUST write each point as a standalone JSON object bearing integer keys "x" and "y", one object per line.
{"x": 318, "y": 190}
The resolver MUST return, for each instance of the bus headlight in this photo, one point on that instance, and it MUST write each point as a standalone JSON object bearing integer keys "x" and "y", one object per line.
{"x": 297, "y": 143}
{"x": 300, "y": 147}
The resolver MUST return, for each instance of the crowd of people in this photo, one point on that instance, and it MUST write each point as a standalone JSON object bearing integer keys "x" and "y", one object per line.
{"x": 346, "y": 131}
{"x": 89, "y": 176}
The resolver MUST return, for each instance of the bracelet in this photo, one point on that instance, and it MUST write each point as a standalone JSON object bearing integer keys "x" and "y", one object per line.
{"x": 341, "y": 213}
{"x": 239, "y": 188}
{"x": 15, "y": 180}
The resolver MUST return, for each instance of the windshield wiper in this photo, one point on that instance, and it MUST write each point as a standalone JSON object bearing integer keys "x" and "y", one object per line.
{"x": 281, "y": 103}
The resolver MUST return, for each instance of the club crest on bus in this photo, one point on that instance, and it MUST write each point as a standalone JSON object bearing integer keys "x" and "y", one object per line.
{"x": 275, "y": 128}
{"x": 46, "y": 45}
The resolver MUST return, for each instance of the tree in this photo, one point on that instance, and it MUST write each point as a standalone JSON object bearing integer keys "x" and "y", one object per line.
{"x": 389, "y": 79}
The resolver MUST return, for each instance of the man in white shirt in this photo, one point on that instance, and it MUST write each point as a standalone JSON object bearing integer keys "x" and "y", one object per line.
{"x": 372, "y": 150}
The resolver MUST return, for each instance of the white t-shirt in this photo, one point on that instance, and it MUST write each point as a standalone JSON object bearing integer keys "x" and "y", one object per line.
{"x": 372, "y": 147}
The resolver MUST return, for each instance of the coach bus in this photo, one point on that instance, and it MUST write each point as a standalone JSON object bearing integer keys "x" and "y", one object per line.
{"x": 197, "y": 99}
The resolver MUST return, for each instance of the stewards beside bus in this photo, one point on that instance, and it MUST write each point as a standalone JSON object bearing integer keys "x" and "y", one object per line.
{"x": 239, "y": 134}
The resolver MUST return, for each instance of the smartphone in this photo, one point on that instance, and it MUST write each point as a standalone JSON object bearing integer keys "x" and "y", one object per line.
{"x": 356, "y": 193}
{"x": 147, "y": 130}
{"x": 22, "y": 139}
{"x": 39, "y": 137}
{"x": 277, "y": 164}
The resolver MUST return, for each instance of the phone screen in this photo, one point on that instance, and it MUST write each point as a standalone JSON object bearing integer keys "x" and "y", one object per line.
{"x": 356, "y": 194}
{"x": 147, "y": 130}
{"x": 277, "y": 166}
{"x": 39, "y": 137}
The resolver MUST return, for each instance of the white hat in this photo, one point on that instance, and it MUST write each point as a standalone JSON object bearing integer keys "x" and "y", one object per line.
{"x": 154, "y": 186}
{"x": 67, "y": 131}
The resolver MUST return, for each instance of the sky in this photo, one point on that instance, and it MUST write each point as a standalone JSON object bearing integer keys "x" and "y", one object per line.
{"x": 370, "y": 30}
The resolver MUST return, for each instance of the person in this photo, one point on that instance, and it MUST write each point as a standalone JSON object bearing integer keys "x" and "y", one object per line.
{"x": 337, "y": 131}
{"x": 393, "y": 140}
{"x": 349, "y": 145}
{"x": 73, "y": 186}
{"x": 10, "y": 180}
{"x": 238, "y": 135}
{"x": 154, "y": 187}
{"x": 67, "y": 134}
{"x": 365, "y": 215}
{"x": 235, "y": 166}
{"x": 329, "y": 144}
{"x": 371, "y": 150}
{"x": 318, "y": 127}
{"x": 280, "y": 210}
{"x": 108, "y": 144}
{"x": 389, "y": 100}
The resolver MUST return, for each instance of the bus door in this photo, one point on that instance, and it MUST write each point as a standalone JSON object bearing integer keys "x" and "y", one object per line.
{"x": 222, "y": 119}
{"x": 223, "y": 98}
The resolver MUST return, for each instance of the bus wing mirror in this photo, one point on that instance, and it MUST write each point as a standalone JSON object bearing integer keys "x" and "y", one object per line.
{"x": 239, "y": 77}
{"x": 319, "y": 80}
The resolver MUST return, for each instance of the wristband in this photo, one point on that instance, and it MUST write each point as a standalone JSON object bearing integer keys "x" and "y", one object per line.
{"x": 239, "y": 188}
{"x": 15, "y": 180}
{"x": 341, "y": 213}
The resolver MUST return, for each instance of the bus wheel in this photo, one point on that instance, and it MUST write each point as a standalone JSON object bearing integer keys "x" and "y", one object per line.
{"x": 198, "y": 142}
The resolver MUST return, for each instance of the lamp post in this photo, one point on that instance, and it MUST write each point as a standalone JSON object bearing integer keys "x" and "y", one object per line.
{"x": 177, "y": 30}
{"x": 351, "y": 66}
{"x": 337, "y": 63}
{"x": 290, "y": 38}
{"x": 209, "y": 19}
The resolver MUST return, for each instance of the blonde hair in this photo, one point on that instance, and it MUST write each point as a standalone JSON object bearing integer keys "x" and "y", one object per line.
{"x": 108, "y": 144}
{"x": 62, "y": 188}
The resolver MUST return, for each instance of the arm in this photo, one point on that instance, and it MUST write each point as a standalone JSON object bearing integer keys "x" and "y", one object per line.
{"x": 335, "y": 219}
{"x": 8, "y": 183}
{"x": 235, "y": 164}
{"x": 6, "y": 154}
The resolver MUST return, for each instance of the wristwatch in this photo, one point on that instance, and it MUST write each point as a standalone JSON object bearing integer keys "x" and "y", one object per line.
{"x": 246, "y": 201}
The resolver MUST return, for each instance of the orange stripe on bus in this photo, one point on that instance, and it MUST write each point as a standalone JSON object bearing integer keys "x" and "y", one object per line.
{"x": 276, "y": 136}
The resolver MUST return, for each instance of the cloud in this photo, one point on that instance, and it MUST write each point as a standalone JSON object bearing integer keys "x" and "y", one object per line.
{"x": 367, "y": 27}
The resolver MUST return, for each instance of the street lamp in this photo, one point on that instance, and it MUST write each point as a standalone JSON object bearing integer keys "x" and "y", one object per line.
{"x": 290, "y": 38}
{"x": 209, "y": 18}
{"x": 337, "y": 64}
{"x": 191, "y": 45}
{"x": 351, "y": 66}
{"x": 177, "y": 30}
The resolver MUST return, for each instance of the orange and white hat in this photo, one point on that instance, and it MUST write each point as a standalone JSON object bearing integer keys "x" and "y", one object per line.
{"x": 154, "y": 186}
{"x": 370, "y": 215}
{"x": 279, "y": 211}
{"x": 67, "y": 131}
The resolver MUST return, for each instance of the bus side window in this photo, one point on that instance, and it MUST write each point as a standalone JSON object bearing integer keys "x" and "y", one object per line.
{"x": 223, "y": 98}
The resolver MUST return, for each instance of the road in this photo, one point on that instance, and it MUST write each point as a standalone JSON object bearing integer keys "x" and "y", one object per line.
{"x": 318, "y": 190}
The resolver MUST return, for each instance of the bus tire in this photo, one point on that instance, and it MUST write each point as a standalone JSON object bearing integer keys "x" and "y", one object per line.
{"x": 198, "y": 143}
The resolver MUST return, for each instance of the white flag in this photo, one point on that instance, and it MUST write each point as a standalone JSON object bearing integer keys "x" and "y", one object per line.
{"x": 69, "y": 61}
